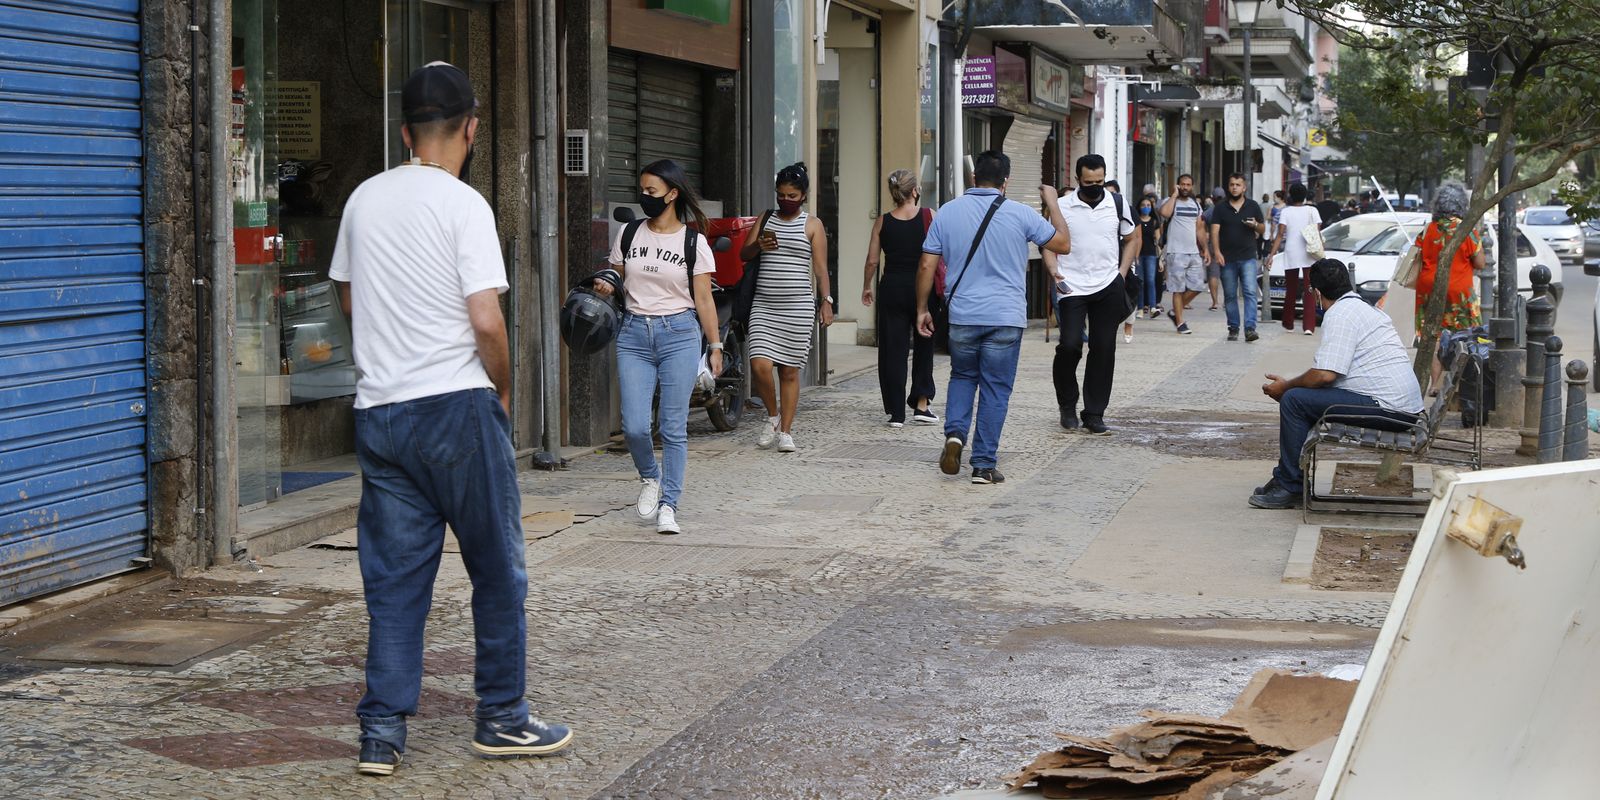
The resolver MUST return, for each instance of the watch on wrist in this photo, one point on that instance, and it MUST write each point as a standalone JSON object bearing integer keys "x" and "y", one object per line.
{"x": 827, "y": 298}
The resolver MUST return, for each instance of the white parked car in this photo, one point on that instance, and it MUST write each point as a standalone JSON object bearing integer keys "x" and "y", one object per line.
{"x": 1562, "y": 232}
{"x": 1374, "y": 242}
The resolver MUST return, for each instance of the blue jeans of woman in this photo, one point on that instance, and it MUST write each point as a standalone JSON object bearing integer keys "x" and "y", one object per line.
{"x": 664, "y": 353}
{"x": 425, "y": 463}
{"x": 1148, "y": 265}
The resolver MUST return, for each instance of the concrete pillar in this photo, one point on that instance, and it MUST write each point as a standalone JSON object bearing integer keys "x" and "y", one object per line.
{"x": 592, "y": 411}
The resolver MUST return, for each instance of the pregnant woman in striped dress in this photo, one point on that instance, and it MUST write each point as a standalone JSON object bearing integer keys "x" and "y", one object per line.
{"x": 793, "y": 246}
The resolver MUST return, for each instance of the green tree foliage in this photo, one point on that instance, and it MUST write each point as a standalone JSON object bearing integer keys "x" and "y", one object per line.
{"x": 1391, "y": 122}
{"x": 1544, "y": 93}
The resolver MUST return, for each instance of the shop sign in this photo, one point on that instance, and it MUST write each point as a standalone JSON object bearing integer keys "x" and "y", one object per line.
{"x": 1011, "y": 81}
{"x": 977, "y": 82}
{"x": 715, "y": 11}
{"x": 1317, "y": 137}
{"x": 1051, "y": 83}
{"x": 297, "y": 106}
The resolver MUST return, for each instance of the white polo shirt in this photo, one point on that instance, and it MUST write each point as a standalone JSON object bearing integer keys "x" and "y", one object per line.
{"x": 1097, "y": 233}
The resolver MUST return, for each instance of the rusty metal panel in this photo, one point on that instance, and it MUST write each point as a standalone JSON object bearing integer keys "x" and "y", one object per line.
{"x": 73, "y": 462}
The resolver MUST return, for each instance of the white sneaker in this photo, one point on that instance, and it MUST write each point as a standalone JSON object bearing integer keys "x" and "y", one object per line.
{"x": 667, "y": 521}
{"x": 894, "y": 424}
{"x": 786, "y": 443}
{"x": 649, "y": 497}
{"x": 768, "y": 437}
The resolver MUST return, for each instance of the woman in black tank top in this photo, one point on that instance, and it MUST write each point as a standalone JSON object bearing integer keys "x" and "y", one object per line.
{"x": 899, "y": 234}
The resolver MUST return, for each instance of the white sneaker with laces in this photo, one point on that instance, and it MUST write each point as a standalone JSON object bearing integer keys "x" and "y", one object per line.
{"x": 786, "y": 443}
{"x": 768, "y": 437}
{"x": 649, "y": 497}
{"x": 667, "y": 521}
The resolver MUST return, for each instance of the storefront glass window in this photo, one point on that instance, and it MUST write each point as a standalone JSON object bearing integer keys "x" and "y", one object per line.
{"x": 421, "y": 33}
{"x": 789, "y": 143}
{"x": 930, "y": 122}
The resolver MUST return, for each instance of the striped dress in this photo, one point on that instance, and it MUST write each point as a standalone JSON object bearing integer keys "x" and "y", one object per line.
{"x": 784, "y": 311}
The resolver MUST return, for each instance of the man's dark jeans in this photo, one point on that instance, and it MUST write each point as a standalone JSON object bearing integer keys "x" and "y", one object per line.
{"x": 425, "y": 463}
{"x": 1104, "y": 310}
{"x": 1299, "y": 411}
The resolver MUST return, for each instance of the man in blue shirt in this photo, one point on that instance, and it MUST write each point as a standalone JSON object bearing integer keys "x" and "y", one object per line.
{"x": 983, "y": 239}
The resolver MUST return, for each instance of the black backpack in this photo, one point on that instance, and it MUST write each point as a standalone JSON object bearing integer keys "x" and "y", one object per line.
{"x": 690, "y": 249}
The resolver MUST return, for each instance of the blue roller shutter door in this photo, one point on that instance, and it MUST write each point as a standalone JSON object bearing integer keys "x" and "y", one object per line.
{"x": 72, "y": 300}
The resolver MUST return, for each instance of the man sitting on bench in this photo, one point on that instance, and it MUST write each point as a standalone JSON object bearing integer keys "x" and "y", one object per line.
{"x": 1361, "y": 368}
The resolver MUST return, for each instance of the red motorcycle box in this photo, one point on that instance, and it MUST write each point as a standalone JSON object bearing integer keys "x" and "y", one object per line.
{"x": 730, "y": 267}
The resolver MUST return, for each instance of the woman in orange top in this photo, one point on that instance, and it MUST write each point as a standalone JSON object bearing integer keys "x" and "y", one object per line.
{"x": 1461, "y": 309}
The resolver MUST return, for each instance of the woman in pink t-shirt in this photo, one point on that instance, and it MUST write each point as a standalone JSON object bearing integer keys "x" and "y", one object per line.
{"x": 660, "y": 341}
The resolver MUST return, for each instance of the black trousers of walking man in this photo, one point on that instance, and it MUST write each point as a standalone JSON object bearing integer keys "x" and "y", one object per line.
{"x": 1104, "y": 310}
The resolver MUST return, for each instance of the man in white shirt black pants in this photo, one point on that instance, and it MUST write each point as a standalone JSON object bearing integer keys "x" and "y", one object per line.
{"x": 420, "y": 273}
{"x": 1091, "y": 284}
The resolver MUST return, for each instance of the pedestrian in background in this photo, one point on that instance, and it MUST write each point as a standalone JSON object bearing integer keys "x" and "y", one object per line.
{"x": 1213, "y": 267}
{"x": 1091, "y": 281}
{"x": 1461, "y": 307}
{"x": 419, "y": 271}
{"x": 1149, "y": 257}
{"x": 1236, "y": 225}
{"x": 658, "y": 344}
{"x": 793, "y": 248}
{"x": 1185, "y": 240}
{"x": 984, "y": 239}
{"x": 899, "y": 235}
{"x": 1291, "y": 242}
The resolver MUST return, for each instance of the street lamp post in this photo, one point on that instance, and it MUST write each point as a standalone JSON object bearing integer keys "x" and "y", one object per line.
{"x": 1249, "y": 11}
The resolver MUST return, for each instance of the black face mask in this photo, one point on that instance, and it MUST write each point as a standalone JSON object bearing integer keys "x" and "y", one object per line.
{"x": 466, "y": 166}
{"x": 1092, "y": 194}
{"x": 653, "y": 206}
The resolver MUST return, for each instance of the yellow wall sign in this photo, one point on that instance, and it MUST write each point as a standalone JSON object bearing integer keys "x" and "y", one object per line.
{"x": 1316, "y": 137}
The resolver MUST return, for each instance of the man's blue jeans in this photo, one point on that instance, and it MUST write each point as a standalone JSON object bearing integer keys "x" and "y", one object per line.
{"x": 425, "y": 463}
{"x": 1148, "y": 268}
{"x": 664, "y": 350}
{"x": 1237, "y": 275}
{"x": 1299, "y": 410}
{"x": 983, "y": 361}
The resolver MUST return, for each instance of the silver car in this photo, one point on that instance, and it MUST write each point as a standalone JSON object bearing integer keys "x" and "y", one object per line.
{"x": 1558, "y": 229}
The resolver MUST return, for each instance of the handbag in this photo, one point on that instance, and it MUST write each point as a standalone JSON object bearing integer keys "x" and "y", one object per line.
{"x": 941, "y": 335}
{"x": 744, "y": 294}
{"x": 1313, "y": 236}
{"x": 1410, "y": 266}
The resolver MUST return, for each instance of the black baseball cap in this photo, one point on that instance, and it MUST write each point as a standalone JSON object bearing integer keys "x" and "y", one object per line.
{"x": 436, "y": 91}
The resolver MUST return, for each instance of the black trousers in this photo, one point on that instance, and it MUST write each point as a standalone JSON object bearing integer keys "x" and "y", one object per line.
{"x": 1104, "y": 310}
{"x": 897, "y": 338}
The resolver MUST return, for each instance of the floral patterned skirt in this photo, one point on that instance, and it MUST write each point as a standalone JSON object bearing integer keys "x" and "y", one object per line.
{"x": 1461, "y": 311}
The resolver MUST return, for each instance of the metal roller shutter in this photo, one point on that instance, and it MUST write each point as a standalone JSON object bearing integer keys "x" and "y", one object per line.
{"x": 657, "y": 111}
{"x": 72, "y": 298}
{"x": 1024, "y": 145}
{"x": 622, "y": 135}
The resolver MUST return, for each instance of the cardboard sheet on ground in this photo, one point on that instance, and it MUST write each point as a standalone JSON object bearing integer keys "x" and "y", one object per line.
{"x": 1482, "y": 683}
{"x": 1189, "y": 757}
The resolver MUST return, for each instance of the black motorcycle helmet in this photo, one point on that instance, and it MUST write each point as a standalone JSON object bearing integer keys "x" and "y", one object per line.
{"x": 588, "y": 321}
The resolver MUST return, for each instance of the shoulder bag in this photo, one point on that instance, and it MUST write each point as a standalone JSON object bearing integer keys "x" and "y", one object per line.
{"x": 941, "y": 336}
{"x": 744, "y": 295}
{"x": 1312, "y": 233}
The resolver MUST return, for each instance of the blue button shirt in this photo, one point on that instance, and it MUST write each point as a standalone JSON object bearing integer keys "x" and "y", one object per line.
{"x": 995, "y": 293}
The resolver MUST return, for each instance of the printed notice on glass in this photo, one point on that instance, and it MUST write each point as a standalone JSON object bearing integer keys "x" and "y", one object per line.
{"x": 977, "y": 81}
{"x": 298, "y": 109}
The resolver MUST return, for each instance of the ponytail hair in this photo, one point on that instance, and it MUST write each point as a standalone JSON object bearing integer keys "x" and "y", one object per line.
{"x": 795, "y": 175}
{"x": 902, "y": 185}
{"x": 688, "y": 204}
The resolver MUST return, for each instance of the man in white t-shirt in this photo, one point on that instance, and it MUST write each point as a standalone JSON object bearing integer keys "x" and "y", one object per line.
{"x": 419, "y": 271}
{"x": 1091, "y": 284}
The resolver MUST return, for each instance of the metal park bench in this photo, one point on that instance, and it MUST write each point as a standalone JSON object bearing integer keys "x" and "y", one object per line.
{"x": 1417, "y": 437}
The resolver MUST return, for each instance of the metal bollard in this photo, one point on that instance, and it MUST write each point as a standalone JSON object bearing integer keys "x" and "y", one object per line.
{"x": 1541, "y": 324}
{"x": 1576, "y": 446}
{"x": 1550, "y": 419}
